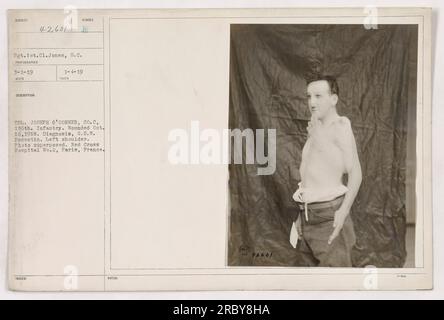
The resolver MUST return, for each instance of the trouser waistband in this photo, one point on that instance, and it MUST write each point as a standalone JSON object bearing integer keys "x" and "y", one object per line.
{"x": 323, "y": 204}
{"x": 320, "y": 205}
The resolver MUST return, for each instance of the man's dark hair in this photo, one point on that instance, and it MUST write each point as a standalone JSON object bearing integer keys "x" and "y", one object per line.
{"x": 331, "y": 80}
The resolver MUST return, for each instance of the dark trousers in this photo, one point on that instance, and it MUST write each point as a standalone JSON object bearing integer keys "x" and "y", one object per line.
{"x": 314, "y": 248}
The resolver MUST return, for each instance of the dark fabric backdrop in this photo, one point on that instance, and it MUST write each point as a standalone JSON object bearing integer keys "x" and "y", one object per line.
{"x": 268, "y": 64}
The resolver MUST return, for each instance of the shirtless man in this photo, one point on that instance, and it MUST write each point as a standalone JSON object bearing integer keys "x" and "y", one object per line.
{"x": 324, "y": 227}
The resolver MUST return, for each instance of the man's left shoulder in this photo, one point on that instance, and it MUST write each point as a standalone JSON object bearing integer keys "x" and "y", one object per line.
{"x": 342, "y": 130}
{"x": 343, "y": 124}
{"x": 343, "y": 121}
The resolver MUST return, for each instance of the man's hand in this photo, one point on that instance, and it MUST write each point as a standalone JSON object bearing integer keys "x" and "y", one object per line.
{"x": 313, "y": 125}
{"x": 340, "y": 216}
{"x": 316, "y": 131}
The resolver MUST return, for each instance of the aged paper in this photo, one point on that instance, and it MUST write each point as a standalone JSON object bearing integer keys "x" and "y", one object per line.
{"x": 99, "y": 198}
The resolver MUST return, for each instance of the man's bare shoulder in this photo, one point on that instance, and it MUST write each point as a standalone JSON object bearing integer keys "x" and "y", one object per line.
{"x": 343, "y": 121}
{"x": 342, "y": 129}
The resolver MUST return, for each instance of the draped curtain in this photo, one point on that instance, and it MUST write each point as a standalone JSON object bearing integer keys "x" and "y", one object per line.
{"x": 268, "y": 65}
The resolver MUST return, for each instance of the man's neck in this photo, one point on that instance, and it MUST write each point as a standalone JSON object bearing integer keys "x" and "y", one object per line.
{"x": 330, "y": 117}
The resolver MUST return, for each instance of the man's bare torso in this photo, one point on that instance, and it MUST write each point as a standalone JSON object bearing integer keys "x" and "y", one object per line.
{"x": 323, "y": 163}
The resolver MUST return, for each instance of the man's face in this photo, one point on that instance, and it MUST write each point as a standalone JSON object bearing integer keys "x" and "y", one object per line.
{"x": 320, "y": 99}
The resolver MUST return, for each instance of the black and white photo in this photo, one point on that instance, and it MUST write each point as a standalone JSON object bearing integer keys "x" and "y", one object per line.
{"x": 342, "y": 99}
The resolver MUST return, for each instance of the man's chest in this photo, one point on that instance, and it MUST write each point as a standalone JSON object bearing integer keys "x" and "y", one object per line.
{"x": 321, "y": 146}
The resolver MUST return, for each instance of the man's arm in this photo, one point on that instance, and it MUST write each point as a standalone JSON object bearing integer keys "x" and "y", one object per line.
{"x": 346, "y": 142}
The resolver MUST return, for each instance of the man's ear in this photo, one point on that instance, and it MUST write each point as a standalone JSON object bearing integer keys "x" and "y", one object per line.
{"x": 335, "y": 98}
